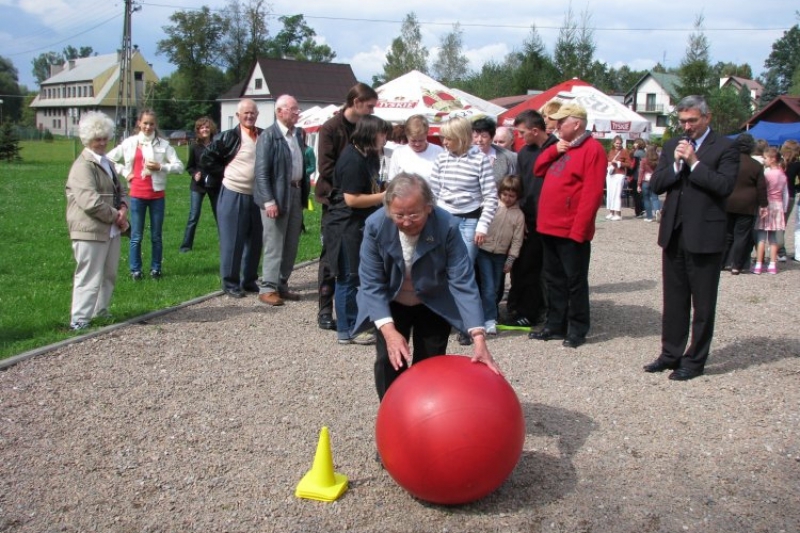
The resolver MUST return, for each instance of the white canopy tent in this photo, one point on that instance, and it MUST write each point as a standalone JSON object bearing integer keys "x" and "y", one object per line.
{"x": 415, "y": 93}
{"x": 607, "y": 117}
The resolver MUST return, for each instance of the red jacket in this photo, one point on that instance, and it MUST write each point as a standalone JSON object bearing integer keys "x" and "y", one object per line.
{"x": 572, "y": 190}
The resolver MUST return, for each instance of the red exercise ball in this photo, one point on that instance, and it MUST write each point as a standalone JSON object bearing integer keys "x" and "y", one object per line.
{"x": 450, "y": 431}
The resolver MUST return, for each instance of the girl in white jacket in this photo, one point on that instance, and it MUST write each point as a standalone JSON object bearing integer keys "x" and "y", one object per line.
{"x": 145, "y": 159}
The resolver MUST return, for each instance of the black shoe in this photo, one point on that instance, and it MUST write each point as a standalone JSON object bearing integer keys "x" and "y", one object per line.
{"x": 464, "y": 339}
{"x": 658, "y": 366}
{"x": 573, "y": 342}
{"x": 136, "y": 275}
{"x": 519, "y": 321}
{"x": 185, "y": 249}
{"x": 236, "y": 292}
{"x": 545, "y": 335}
{"x": 155, "y": 274}
{"x": 684, "y": 374}
{"x": 326, "y": 321}
{"x": 251, "y": 287}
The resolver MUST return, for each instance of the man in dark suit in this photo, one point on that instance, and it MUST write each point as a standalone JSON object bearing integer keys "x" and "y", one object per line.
{"x": 697, "y": 171}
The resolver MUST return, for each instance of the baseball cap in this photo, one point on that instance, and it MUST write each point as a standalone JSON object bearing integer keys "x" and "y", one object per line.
{"x": 569, "y": 110}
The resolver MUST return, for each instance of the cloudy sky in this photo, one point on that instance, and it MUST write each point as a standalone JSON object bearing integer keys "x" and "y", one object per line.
{"x": 639, "y": 34}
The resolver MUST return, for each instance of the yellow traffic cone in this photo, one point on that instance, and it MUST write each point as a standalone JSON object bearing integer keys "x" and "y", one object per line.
{"x": 321, "y": 482}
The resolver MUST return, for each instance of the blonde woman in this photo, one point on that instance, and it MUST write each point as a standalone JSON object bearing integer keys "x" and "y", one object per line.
{"x": 463, "y": 184}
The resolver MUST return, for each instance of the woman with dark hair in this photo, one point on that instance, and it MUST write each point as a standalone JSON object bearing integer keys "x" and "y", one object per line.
{"x": 749, "y": 193}
{"x": 334, "y": 136}
{"x": 355, "y": 195}
{"x": 647, "y": 165}
{"x": 201, "y": 182}
{"x": 618, "y": 162}
{"x": 147, "y": 159}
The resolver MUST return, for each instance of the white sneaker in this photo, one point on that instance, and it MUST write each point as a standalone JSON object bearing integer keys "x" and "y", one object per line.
{"x": 365, "y": 338}
{"x": 781, "y": 258}
{"x": 616, "y": 217}
{"x": 609, "y": 216}
{"x": 648, "y": 220}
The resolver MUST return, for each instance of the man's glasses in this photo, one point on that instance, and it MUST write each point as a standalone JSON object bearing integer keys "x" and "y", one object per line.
{"x": 411, "y": 217}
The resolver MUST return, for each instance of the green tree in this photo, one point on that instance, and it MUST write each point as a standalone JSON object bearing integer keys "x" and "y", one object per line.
{"x": 728, "y": 109}
{"x": 192, "y": 40}
{"x": 696, "y": 76}
{"x": 573, "y": 55}
{"x": 236, "y": 55}
{"x": 296, "y": 40}
{"x": 784, "y": 60}
{"x": 11, "y": 107}
{"x": 493, "y": 80}
{"x": 406, "y": 52}
{"x": 451, "y": 63}
{"x": 70, "y": 52}
{"x": 9, "y": 143}
{"x": 43, "y": 62}
{"x": 533, "y": 67}
{"x": 725, "y": 69}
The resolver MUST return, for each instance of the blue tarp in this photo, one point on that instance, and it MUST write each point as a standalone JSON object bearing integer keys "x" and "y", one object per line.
{"x": 775, "y": 133}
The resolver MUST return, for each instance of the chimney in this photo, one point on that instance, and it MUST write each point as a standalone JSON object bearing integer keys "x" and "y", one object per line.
{"x": 71, "y": 64}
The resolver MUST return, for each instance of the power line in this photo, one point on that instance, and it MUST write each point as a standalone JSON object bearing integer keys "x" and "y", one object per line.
{"x": 50, "y": 46}
{"x": 477, "y": 24}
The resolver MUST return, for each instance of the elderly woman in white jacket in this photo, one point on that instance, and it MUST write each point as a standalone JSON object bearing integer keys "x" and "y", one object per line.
{"x": 96, "y": 216}
{"x": 145, "y": 159}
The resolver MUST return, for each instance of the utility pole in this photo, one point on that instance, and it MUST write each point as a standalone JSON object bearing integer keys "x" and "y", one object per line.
{"x": 126, "y": 108}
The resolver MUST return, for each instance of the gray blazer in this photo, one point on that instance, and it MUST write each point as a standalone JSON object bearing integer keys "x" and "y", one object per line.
{"x": 273, "y": 170}
{"x": 441, "y": 271}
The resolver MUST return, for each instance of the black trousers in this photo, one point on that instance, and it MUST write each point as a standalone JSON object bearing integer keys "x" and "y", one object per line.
{"x": 526, "y": 296}
{"x": 430, "y": 334}
{"x": 566, "y": 272}
{"x": 738, "y": 241}
{"x": 691, "y": 283}
{"x": 325, "y": 280}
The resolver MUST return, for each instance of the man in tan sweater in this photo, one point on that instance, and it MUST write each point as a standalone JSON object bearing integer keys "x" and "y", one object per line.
{"x": 233, "y": 154}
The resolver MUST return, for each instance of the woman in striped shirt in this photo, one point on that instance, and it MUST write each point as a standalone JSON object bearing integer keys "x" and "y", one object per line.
{"x": 463, "y": 183}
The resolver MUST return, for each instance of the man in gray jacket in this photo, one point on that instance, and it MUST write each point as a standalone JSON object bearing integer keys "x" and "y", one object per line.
{"x": 281, "y": 191}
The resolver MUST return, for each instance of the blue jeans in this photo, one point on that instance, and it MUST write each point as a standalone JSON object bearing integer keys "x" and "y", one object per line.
{"x": 467, "y": 228}
{"x": 138, "y": 207}
{"x": 344, "y": 297}
{"x": 195, "y": 208}
{"x": 490, "y": 272}
{"x": 650, "y": 199}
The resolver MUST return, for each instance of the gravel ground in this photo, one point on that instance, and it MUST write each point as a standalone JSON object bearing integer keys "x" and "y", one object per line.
{"x": 206, "y": 418}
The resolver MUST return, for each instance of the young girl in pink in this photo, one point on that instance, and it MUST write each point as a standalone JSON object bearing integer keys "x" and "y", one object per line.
{"x": 771, "y": 222}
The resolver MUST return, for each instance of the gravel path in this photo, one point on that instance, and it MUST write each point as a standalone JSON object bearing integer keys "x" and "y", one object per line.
{"x": 205, "y": 419}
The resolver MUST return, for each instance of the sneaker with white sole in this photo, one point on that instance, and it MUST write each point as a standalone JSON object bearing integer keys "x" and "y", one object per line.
{"x": 365, "y": 338}
{"x": 616, "y": 218}
{"x": 78, "y": 326}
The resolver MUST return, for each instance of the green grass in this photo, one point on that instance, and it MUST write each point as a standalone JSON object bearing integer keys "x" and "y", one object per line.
{"x": 36, "y": 263}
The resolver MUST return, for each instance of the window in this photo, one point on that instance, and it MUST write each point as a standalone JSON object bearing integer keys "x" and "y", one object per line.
{"x": 138, "y": 75}
{"x": 259, "y": 83}
{"x": 661, "y": 121}
{"x": 651, "y": 102}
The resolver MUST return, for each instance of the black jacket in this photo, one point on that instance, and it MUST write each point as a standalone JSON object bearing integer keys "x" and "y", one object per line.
{"x": 221, "y": 151}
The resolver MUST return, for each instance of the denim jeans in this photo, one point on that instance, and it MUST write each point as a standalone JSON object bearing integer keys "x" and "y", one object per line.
{"x": 467, "y": 228}
{"x": 138, "y": 207}
{"x": 490, "y": 272}
{"x": 344, "y": 297}
{"x": 195, "y": 208}
{"x": 651, "y": 201}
